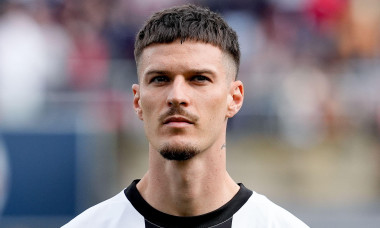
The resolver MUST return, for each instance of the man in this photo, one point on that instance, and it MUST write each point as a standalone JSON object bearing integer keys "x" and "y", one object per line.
{"x": 187, "y": 62}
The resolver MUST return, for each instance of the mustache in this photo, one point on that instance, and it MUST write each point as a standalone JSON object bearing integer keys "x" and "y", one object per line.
{"x": 178, "y": 110}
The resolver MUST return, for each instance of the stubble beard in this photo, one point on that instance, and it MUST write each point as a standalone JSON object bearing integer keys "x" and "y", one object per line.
{"x": 178, "y": 153}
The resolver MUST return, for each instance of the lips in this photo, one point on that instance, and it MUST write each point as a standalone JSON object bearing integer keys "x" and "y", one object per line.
{"x": 177, "y": 119}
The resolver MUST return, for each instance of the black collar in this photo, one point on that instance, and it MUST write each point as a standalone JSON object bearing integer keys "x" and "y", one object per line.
{"x": 212, "y": 218}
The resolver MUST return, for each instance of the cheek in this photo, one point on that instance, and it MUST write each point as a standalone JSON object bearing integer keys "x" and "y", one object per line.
{"x": 216, "y": 106}
{"x": 148, "y": 106}
{"x": 149, "y": 116}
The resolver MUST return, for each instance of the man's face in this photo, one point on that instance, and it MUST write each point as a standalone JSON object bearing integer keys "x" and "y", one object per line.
{"x": 185, "y": 96}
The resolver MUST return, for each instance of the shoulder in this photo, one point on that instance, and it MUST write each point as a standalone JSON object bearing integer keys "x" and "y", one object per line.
{"x": 259, "y": 211}
{"x": 110, "y": 213}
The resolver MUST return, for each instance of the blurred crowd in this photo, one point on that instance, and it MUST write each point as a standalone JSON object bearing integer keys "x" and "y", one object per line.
{"x": 311, "y": 68}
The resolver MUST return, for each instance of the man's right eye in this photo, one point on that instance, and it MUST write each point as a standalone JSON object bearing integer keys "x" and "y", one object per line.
{"x": 159, "y": 79}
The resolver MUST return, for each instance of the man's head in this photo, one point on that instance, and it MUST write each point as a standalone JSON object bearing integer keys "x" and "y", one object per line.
{"x": 187, "y": 88}
{"x": 188, "y": 22}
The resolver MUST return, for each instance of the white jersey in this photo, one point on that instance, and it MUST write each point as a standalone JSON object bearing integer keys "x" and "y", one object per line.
{"x": 128, "y": 209}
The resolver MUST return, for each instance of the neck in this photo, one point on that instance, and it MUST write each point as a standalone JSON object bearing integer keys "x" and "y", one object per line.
{"x": 188, "y": 188}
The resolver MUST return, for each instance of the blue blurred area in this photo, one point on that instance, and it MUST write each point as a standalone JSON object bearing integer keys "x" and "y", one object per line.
{"x": 43, "y": 174}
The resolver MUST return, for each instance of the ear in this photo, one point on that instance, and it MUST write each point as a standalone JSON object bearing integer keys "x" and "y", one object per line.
{"x": 235, "y": 98}
{"x": 136, "y": 100}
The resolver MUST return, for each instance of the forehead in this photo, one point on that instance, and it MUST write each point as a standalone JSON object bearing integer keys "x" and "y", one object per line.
{"x": 177, "y": 56}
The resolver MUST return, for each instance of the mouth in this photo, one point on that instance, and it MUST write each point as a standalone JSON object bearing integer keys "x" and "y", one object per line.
{"x": 177, "y": 120}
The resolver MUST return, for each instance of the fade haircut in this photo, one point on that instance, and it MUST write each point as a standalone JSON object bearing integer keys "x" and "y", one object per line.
{"x": 188, "y": 22}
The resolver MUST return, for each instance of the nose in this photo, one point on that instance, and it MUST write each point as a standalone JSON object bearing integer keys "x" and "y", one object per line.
{"x": 178, "y": 93}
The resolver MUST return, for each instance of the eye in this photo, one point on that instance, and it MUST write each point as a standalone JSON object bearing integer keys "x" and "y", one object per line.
{"x": 159, "y": 79}
{"x": 200, "y": 78}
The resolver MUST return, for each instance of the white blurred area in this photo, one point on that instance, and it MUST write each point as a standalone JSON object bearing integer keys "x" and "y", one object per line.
{"x": 308, "y": 133}
{"x": 31, "y": 55}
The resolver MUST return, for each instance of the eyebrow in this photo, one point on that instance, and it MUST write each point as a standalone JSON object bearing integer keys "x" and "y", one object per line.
{"x": 203, "y": 71}
{"x": 160, "y": 72}
{"x": 192, "y": 71}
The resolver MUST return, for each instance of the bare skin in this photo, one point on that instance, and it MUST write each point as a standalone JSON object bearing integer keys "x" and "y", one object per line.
{"x": 197, "y": 78}
{"x": 188, "y": 188}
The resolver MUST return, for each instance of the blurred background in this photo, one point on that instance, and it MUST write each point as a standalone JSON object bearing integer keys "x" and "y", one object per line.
{"x": 307, "y": 136}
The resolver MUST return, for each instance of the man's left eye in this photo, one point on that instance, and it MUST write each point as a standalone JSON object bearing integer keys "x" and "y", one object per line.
{"x": 200, "y": 78}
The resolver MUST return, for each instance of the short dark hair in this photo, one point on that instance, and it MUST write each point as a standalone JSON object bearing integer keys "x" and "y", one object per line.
{"x": 188, "y": 22}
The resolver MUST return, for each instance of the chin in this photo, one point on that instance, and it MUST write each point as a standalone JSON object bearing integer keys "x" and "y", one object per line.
{"x": 177, "y": 152}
